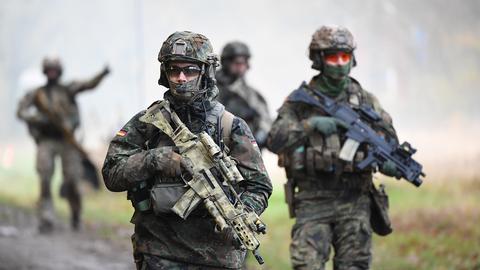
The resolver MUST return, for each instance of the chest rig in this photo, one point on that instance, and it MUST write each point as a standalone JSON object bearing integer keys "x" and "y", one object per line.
{"x": 316, "y": 165}
{"x": 322, "y": 152}
{"x": 212, "y": 124}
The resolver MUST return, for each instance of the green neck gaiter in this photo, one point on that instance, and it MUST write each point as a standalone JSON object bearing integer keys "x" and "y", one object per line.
{"x": 332, "y": 87}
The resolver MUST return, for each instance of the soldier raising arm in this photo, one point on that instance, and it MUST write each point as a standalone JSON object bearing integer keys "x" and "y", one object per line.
{"x": 50, "y": 112}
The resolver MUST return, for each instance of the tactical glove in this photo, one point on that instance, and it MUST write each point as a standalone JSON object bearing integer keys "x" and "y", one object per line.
{"x": 165, "y": 161}
{"x": 261, "y": 138}
{"x": 390, "y": 169}
{"x": 323, "y": 124}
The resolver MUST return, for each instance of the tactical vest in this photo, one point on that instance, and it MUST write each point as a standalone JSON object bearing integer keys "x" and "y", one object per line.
{"x": 165, "y": 192}
{"x": 218, "y": 125}
{"x": 318, "y": 165}
{"x": 62, "y": 104}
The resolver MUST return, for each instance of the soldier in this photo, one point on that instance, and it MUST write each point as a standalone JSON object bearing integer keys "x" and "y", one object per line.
{"x": 237, "y": 96}
{"x": 50, "y": 111}
{"x": 142, "y": 152}
{"x": 331, "y": 198}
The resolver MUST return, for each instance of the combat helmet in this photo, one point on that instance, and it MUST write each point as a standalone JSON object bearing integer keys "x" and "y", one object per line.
{"x": 188, "y": 47}
{"x": 234, "y": 49}
{"x": 330, "y": 38}
{"x": 51, "y": 63}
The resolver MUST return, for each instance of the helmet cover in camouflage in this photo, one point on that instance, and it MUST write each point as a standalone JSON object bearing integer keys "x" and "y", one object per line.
{"x": 186, "y": 46}
{"x": 332, "y": 38}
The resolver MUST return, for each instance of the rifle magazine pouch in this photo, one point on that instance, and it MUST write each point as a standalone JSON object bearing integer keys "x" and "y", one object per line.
{"x": 165, "y": 195}
{"x": 379, "y": 218}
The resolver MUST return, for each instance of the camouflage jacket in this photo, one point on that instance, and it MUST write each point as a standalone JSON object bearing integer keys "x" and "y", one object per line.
{"x": 61, "y": 99}
{"x": 246, "y": 103}
{"x": 320, "y": 158}
{"x": 193, "y": 240}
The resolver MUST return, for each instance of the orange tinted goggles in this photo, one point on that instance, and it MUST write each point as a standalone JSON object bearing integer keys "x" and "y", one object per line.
{"x": 338, "y": 57}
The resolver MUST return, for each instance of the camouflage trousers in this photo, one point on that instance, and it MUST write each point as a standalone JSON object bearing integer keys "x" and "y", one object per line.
{"x": 152, "y": 262}
{"x": 338, "y": 219}
{"x": 47, "y": 151}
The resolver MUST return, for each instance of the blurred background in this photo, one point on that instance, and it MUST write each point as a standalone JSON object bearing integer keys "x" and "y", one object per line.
{"x": 420, "y": 58}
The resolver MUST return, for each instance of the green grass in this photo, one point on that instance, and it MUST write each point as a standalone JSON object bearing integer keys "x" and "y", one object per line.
{"x": 435, "y": 226}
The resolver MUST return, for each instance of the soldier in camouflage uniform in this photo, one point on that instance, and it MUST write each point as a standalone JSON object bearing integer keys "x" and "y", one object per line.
{"x": 237, "y": 96}
{"x": 141, "y": 152}
{"x": 60, "y": 100}
{"x": 330, "y": 197}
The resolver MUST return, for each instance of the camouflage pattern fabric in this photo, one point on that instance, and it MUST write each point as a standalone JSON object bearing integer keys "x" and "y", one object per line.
{"x": 332, "y": 204}
{"x": 338, "y": 219}
{"x": 47, "y": 150}
{"x": 62, "y": 102}
{"x": 332, "y": 37}
{"x": 246, "y": 103}
{"x": 151, "y": 262}
{"x": 194, "y": 240}
{"x": 50, "y": 142}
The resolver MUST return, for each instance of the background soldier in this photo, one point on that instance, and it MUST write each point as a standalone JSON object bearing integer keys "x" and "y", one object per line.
{"x": 142, "y": 152}
{"x": 50, "y": 111}
{"x": 237, "y": 96}
{"x": 332, "y": 205}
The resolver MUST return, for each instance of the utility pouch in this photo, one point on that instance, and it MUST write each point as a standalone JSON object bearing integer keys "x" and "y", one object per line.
{"x": 140, "y": 197}
{"x": 164, "y": 196}
{"x": 379, "y": 218}
{"x": 323, "y": 155}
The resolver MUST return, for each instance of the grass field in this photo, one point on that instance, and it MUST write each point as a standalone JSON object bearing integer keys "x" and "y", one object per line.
{"x": 435, "y": 226}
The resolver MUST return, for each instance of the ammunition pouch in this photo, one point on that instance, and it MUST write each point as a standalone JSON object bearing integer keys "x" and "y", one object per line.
{"x": 164, "y": 196}
{"x": 379, "y": 218}
{"x": 321, "y": 157}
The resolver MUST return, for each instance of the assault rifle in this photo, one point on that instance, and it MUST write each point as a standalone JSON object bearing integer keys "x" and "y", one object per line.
{"x": 211, "y": 175}
{"x": 357, "y": 122}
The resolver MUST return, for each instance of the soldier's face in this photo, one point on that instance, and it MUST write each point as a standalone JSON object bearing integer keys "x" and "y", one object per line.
{"x": 238, "y": 66}
{"x": 182, "y": 72}
{"x": 337, "y": 64}
{"x": 52, "y": 74}
{"x": 339, "y": 58}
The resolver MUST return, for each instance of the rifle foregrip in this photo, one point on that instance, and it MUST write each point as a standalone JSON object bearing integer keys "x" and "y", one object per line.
{"x": 219, "y": 220}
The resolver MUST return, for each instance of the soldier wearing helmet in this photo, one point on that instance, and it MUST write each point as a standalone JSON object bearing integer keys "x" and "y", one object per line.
{"x": 330, "y": 198}
{"x": 237, "y": 96}
{"x": 141, "y": 153}
{"x": 50, "y": 111}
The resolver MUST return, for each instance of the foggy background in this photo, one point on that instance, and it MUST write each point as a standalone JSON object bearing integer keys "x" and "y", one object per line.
{"x": 420, "y": 58}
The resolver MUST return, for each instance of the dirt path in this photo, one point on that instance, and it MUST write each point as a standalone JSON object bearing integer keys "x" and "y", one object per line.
{"x": 21, "y": 247}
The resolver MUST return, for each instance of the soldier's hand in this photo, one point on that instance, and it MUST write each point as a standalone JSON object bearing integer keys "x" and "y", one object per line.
{"x": 106, "y": 70}
{"x": 261, "y": 138}
{"x": 323, "y": 124}
{"x": 165, "y": 161}
{"x": 390, "y": 169}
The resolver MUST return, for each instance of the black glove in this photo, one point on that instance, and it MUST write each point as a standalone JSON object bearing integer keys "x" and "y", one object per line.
{"x": 166, "y": 161}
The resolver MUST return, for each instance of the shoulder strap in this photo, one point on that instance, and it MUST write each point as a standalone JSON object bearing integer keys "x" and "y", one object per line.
{"x": 356, "y": 93}
{"x": 226, "y": 122}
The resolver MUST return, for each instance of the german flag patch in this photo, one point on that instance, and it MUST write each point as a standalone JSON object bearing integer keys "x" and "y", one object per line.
{"x": 122, "y": 133}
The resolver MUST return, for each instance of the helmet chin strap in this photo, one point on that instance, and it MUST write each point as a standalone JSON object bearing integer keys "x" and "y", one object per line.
{"x": 188, "y": 91}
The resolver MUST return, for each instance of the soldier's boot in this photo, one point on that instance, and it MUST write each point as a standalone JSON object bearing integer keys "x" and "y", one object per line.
{"x": 69, "y": 191}
{"x": 46, "y": 216}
